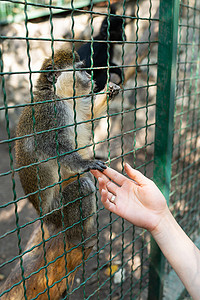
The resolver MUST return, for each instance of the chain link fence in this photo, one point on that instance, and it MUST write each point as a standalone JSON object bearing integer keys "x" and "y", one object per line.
{"x": 153, "y": 124}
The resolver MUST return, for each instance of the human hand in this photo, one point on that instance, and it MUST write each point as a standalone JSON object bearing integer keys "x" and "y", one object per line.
{"x": 138, "y": 200}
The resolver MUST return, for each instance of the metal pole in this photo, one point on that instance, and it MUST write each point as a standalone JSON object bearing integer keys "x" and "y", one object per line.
{"x": 166, "y": 80}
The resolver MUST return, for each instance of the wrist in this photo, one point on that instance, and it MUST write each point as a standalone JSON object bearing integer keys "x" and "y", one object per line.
{"x": 180, "y": 251}
{"x": 166, "y": 223}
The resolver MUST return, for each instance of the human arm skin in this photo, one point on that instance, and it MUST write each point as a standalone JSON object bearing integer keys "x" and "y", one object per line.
{"x": 140, "y": 202}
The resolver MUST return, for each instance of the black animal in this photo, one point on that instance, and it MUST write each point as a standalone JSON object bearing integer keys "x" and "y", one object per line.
{"x": 100, "y": 51}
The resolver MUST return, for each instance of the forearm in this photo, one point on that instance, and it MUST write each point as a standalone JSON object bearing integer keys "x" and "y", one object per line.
{"x": 181, "y": 253}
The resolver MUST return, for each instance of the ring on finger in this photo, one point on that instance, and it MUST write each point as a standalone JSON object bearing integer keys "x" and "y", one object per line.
{"x": 113, "y": 198}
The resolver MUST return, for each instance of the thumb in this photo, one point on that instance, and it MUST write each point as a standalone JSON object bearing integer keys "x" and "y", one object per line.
{"x": 137, "y": 176}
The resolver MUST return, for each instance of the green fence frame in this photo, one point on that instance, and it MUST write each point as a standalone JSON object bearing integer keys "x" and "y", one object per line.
{"x": 165, "y": 103}
{"x": 171, "y": 171}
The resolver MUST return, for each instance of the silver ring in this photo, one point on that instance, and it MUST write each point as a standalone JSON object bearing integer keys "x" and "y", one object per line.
{"x": 113, "y": 198}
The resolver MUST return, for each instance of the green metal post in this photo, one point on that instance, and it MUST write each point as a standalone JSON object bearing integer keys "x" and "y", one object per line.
{"x": 166, "y": 80}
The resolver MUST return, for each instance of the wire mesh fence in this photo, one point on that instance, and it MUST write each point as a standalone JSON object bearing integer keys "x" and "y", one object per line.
{"x": 185, "y": 185}
{"x": 136, "y": 127}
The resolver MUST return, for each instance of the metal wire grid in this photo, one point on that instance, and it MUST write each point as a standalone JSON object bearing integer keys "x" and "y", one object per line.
{"x": 184, "y": 192}
{"x": 112, "y": 289}
{"x": 185, "y": 197}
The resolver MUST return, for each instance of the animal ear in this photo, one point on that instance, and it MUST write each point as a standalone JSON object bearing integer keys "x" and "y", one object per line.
{"x": 52, "y": 75}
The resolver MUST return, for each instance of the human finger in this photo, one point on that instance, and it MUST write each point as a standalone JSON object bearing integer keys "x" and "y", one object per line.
{"x": 96, "y": 173}
{"x": 112, "y": 187}
{"x": 99, "y": 174}
{"x": 102, "y": 187}
{"x": 136, "y": 175}
{"x": 111, "y": 197}
{"x": 102, "y": 184}
{"x": 115, "y": 176}
{"x": 106, "y": 202}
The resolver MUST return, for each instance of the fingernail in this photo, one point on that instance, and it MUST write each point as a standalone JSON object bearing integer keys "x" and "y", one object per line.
{"x": 103, "y": 192}
{"x": 127, "y": 165}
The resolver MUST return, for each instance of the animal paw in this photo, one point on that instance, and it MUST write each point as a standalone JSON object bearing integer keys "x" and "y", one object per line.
{"x": 113, "y": 90}
{"x": 96, "y": 165}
